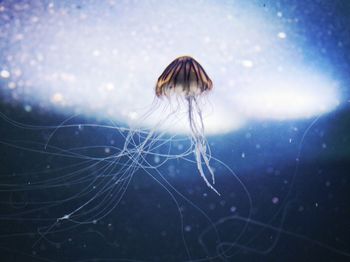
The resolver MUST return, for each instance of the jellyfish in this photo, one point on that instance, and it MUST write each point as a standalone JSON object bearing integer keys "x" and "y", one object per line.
{"x": 186, "y": 79}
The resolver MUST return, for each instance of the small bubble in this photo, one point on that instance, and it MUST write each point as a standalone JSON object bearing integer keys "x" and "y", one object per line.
{"x": 282, "y": 35}
{"x": 156, "y": 159}
{"x": 109, "y": 86}
{"x": 233, "y": 209}
{"x": 133, "y": 115}
{"x": 28, "y": 108}
{"x": 247, "y": 63}
{"x": 57, "y": 98}
{"x": 96, "y": 53}
{"x": 275, "y": 200}
{"x": 4, "y": 73}
{"x": 12, "y": 85}
{"x": 188, "y": 228}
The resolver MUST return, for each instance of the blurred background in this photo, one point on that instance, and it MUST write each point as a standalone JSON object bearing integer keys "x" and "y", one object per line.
{"x": 73, "y": 73}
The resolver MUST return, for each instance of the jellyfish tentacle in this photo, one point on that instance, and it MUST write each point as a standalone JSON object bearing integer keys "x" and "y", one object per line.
{"x": 204, "y": 141}
{"x": 200, "y": 144}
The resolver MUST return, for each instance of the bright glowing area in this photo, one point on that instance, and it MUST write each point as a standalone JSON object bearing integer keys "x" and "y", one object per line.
{"x": 297, "y": 96}
{"x": 4, "y": 74}
{"x": 104, "y": 59}
{"x": 282, "y": 35}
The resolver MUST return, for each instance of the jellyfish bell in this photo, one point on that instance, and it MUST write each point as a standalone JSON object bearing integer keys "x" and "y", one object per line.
{"x": 184, "y": 76}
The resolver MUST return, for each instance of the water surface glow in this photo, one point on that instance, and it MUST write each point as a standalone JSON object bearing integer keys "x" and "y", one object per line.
{"x": 103, "y": 59}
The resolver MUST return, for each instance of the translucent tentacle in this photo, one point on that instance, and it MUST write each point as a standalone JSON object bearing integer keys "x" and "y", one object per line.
{"x": 200, "y": 143}
{"x": 204, "y": 142}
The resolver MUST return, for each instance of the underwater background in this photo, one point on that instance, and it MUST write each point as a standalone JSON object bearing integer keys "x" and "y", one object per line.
{"x": 283, "y": 180}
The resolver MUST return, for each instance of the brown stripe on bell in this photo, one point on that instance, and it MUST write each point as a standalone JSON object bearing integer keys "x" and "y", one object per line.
{"x": 184, "y": 76}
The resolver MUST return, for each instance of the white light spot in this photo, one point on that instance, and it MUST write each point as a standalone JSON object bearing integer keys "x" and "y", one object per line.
{"x": 133, "y": 115}
{"x": 275, "y": 200}
{"x": 247, "y": 63}
{"x": 4, "y": 73}
{"x": 12, "y": 85}
{"x": 109, "y": 86}
{"x": 188, "y": 228}
{"x": 57, "y": 98}
{"x": 282, "y": 35}
{"x": 207, "y": 40}
{"x": 28, "y": 108}
{"x": 156, "y": 159}
{"x": 96, "y": 53}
